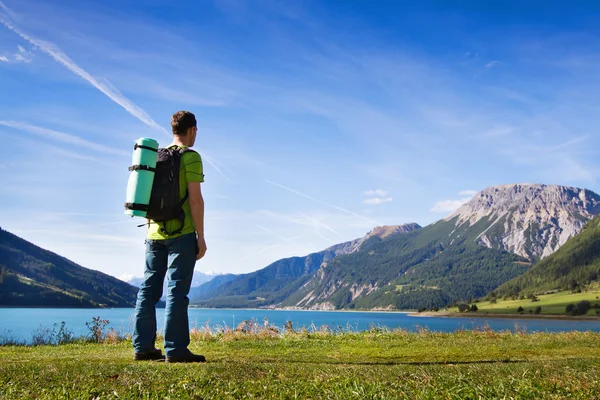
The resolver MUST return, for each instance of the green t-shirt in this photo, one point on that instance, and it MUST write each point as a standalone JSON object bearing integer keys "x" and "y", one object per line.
{"x": 190, "y": 170}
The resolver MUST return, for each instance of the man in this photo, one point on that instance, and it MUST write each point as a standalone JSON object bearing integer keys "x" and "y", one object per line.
{"x": 174, "y": 255}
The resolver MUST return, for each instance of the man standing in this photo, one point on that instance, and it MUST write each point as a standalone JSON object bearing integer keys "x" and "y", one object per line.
{"x": 172, "y": 249}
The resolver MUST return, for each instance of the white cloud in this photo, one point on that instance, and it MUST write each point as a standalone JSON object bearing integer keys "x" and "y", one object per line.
{"x": 376, "y": 192}
{"x": 492, "y": 64}
{"x": 21, "y": 56}
{"x": 467, "y": 193}
{"x": 447, "y": 206}
{"x": 126, "y": 277}
{"x": 378, "y": 200}
{"x": 377, "y": 196}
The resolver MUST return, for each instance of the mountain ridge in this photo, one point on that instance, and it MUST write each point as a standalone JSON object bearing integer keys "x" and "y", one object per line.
{"x": 35, "y": 277}
{"x": 282, "y": 277}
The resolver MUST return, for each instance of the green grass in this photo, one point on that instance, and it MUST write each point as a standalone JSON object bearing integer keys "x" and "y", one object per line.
{"x": 554, "y": 303}
{"x": 367, "y": 365}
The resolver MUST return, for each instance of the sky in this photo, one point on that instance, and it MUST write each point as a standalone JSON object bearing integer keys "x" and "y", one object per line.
{"x": 318, "y": 120}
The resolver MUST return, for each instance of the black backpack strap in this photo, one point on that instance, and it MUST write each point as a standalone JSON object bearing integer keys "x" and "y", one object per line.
{"x": 139, "y": 146}
{"x": 142, "y": 167}
{"x": 136, "y": 206}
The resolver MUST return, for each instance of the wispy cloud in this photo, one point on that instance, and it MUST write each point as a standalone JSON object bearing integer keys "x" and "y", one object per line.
{"x": 376, "y": 192}
{"x": 501, "y": 130}
{"x": 492, "y": 64}
{"x": 377, "y": 196}
{"x": 446, "y": 206}
{"x": 62, "y": 137}
{"x": 378, "y": 200}
{"x": 21, "y": 56}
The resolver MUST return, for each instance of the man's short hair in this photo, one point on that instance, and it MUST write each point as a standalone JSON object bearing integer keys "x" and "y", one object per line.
{"x": 181, "y": 122}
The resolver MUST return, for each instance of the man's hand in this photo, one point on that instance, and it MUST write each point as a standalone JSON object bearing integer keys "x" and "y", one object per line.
{"x": 201, "y": 247}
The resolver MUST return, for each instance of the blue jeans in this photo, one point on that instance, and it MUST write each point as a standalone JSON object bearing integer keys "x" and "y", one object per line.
{"x": 176, "y": 259}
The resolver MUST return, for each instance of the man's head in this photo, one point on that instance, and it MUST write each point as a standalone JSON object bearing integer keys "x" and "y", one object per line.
{"x": 183, "y": 124}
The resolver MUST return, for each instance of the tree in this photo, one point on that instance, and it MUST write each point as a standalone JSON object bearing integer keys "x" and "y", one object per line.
{"x": 538, "y": 310}
{"x": 520, "y": 309}
{"x": 569, "y": 309}
{"x": 581, "y": 308}
{"x": 462, "y": 307}
{"x": 474, "y": 308}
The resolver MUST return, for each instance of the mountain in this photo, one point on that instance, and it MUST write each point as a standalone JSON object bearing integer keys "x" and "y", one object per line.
{"x": 282, "y": 278}
{"x": 532, "y": 221}
{"x": 575, "y": 264}
{"x": 198, "y": 279}
{"x": 492, "y": 239}
{"x": 34, "y": 277}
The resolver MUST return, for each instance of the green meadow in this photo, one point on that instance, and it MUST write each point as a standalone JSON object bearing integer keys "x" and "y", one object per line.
{"x": 377, "y": 364}
{"x": 553, "y": 303}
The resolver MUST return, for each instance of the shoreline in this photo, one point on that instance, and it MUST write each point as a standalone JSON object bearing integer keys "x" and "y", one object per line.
{"x": 451, "y": 314}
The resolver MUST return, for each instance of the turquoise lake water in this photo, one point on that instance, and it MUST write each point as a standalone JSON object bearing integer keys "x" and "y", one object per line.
{"x": 21, "y": 322}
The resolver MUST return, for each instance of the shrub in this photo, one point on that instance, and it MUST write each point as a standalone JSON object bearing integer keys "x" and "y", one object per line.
{"x": 520, "y": 309}
{"x": 41, "y": 336}
{"x": 538, "y": 310}
{"x": 96, "y": 327}
{"x": 473, "y": 308}
{"x": 462, "y": 307}
{"x": 64, "y": 335}
{"x": 493, "y": 300}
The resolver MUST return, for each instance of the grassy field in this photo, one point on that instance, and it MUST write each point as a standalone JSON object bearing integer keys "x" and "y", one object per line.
{"x": 367, "y": 365}
{"x": 554, "y": 303}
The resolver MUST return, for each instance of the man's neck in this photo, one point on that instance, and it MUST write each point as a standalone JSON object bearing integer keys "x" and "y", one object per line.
{"x": 180, "y": 141}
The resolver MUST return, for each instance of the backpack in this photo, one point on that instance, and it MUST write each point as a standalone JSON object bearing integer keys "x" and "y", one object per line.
{"x": 165, "y": 203}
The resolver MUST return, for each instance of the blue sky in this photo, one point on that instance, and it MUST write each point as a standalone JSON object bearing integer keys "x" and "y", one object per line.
{"x": 317, "y": 120}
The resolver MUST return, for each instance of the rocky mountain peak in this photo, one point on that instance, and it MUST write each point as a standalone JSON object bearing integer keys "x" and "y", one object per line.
{"x": 531, "y": 220}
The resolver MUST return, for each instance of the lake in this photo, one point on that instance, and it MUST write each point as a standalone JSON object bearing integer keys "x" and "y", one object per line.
{"x": 21, "y": 322}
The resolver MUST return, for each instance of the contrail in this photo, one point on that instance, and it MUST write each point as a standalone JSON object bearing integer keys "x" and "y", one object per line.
{"x": 321, "y": 224}
{"x": 324, "y": 202}
{"x": 105, "y": 87}
{"x": 282, "y": 238}
{"x": 59, "y": 56}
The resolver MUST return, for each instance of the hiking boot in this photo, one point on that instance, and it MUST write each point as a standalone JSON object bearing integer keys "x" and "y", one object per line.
{"x": 188, "y": 357}
{"x": 152, "y": 355}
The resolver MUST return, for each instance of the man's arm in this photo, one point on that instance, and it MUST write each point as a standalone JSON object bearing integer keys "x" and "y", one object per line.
{"x": 197, "y": 209}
